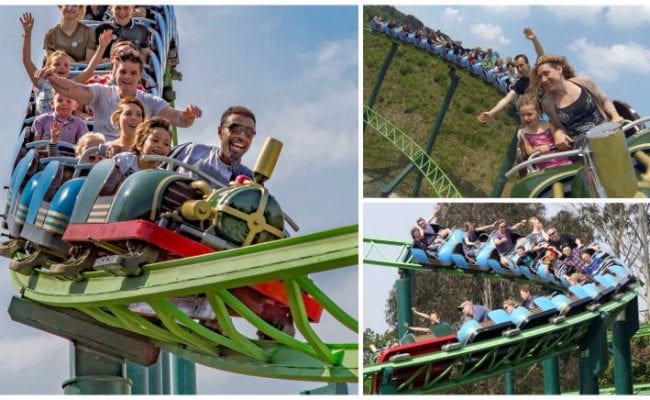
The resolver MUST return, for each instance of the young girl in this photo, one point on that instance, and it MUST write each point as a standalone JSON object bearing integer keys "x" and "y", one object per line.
{"x": 538, "y": 135}
{"x": 152, "y": 136}
{"x": 128, "y": 114}
{"x": 58, "y": 61}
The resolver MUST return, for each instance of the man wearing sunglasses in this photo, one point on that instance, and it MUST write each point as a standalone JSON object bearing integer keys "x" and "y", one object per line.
{"x": 559, "y": 240}
{"x": 236, "y": 132}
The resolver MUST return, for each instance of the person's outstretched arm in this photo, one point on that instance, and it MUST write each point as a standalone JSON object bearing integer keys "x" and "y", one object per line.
{"x": 530, "y": 35}
{"x": 27, "y": 22}
{"x": 104, "y": 40}
{"x": 503, "y": 103}
{"x": 76, "y": 91}
{"x": 182, "y": 119}
{"x": 419, "y": 314}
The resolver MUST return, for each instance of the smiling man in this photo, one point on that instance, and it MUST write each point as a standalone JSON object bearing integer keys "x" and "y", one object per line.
{"x": 236, "y": 132}
{"x": 127, "y": 72}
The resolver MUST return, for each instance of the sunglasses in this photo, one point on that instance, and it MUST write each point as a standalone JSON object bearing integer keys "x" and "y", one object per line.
{"x": 241, "y": 130}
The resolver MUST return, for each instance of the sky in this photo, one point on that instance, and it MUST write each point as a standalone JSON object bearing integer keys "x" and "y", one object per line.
{"x": 609, "y": 44}
{"x": 297, "y": 69}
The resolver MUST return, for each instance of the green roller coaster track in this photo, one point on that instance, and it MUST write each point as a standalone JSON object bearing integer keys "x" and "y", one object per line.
{"x": 481, "y": 360}
{"x": 107, "y": 298}
{"x": 433, "y": 174}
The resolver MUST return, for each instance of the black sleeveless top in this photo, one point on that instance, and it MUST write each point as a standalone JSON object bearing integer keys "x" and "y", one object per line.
{"x": 580, "y": 116}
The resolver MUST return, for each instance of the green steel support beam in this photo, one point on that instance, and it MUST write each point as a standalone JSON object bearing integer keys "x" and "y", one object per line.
{"x": 507, "y": 163}
{"x": 509, "y": 382}
{"x": 404, "y": 291}
{"x": 382, "y": 74}
{"x": 434, "y": 175}
{"x": 594, "y": 357}
{"x": 433, "y": 134}
{"x": 138, "y": 375}
{"x": 283, "y": 364}
{"x": 107, "y": 298}
{"x": 551, "y": 375}
{"x": 244, "y": 266}
{"x": 625, "y": 326}
{"x": 390, "y": 187}
{"x": 95, "y": 373}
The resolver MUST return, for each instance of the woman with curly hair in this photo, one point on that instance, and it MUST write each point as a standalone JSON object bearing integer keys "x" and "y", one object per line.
{"x": 573, "y": 103}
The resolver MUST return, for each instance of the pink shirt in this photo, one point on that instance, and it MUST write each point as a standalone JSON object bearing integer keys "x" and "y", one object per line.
{"x": 546, "y": 138}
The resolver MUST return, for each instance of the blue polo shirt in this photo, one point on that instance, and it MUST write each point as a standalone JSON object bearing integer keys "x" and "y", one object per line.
{"x": 479, "y": 313}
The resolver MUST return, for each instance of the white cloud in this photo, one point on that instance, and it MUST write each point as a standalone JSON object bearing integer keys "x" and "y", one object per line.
{"x": 490, "y": 35}
{"x": 507, "y": 11}
{"x": 453, "y": 16}
{"x": 322, "y": 131}
{"x": 320, "y": 112}
{"x": 23, "y": 355}
{"x": 627, "y": 18}
{"x": 610, "y": 63}
{"x": 335, "y": 61}
{"x": 588, "y": 15}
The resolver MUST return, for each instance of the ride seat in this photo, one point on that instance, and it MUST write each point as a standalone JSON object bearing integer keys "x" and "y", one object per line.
{"x": 443, "y": 329}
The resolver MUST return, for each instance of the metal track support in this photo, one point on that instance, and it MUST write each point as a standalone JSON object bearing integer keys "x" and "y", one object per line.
{"x": 551, "y": 370}
{"x": 594, "y": 357}
{"x": 404, "y": 291}
{"x": 624, "y": 328}
{"x": 95, "y": 373}
{"x": 433, "y": 134}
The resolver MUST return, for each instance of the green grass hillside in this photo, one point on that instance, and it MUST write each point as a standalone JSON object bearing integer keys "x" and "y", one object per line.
{"x": 469, "y": 151}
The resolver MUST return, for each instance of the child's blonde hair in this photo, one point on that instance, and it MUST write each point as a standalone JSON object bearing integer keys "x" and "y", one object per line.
{"x": 146, "y": 128}
{"x": 83, "y": 141}
{"x": 528, "y": 99}
{"x": 50, "y": 59}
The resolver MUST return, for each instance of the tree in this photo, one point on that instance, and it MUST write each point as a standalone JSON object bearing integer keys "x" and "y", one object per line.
{"x": 377, "y": 340}
{"x": 624, "y": 228}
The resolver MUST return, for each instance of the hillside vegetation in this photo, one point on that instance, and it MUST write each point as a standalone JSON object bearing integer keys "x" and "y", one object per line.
{"x": 468, "y": 151}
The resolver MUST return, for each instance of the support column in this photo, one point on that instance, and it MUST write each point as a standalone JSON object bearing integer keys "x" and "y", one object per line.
{"x": 138, "y": 375}
{"x": 433, "y": 134}
{"x": 166, "y": 373}
{"x": 183, "y": 376}
{"x": 594, "y": 357}
{"x": 386, "y": 384}
{"x": 154, "y": 373}
{"x": 382, "y": 74}
{"x": 403, "y": 287}
{"x": 507, "y": 163}
{"x": 551, "y": 375}
{"x": 509, "y": 382}
{"x": 95, "y": 373}
{"x": 625, "y": 326}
